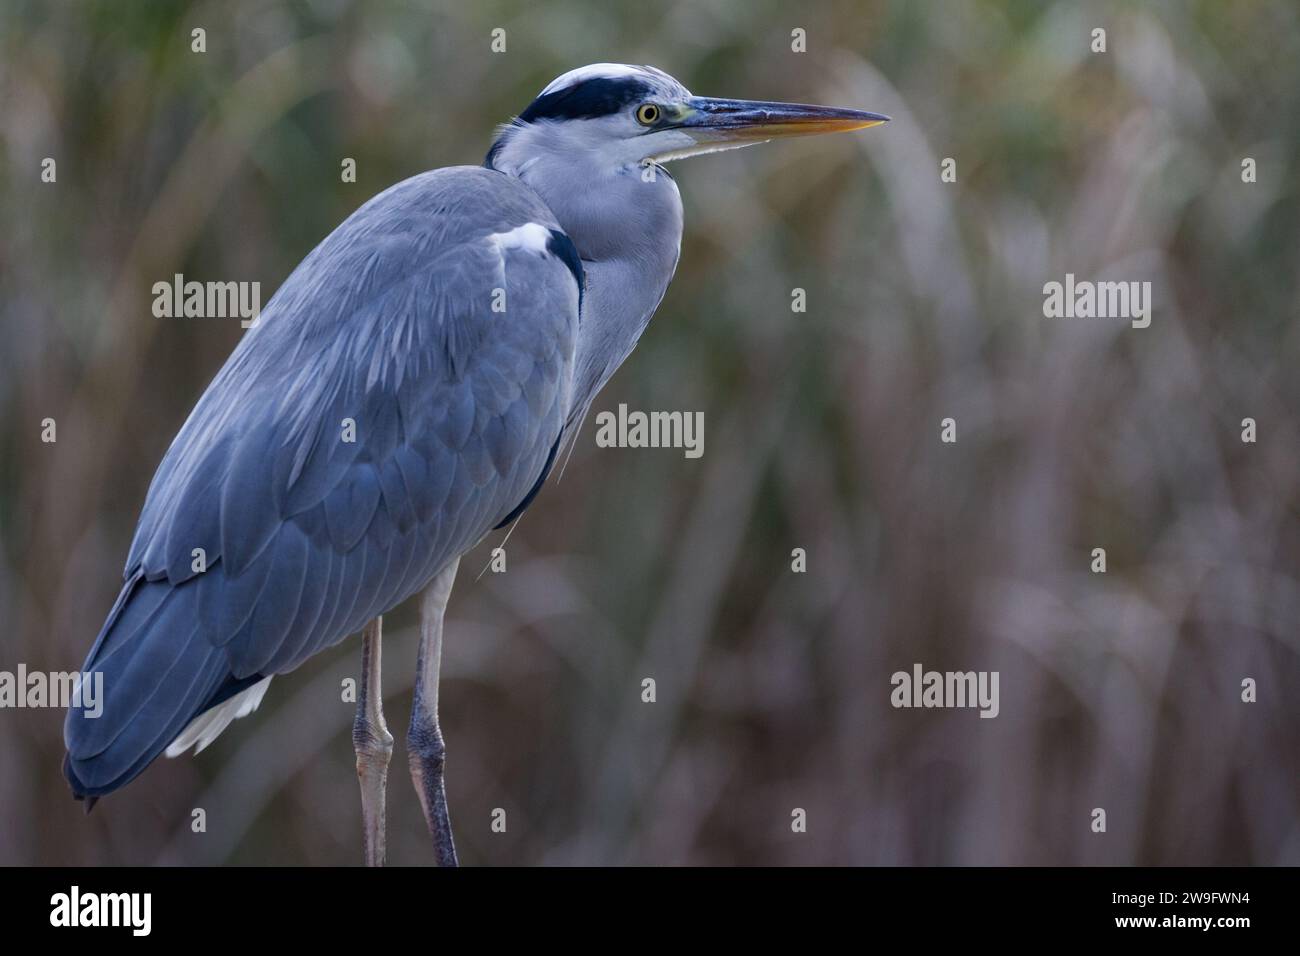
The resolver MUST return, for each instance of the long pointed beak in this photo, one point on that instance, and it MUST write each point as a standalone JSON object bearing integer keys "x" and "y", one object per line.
{"x": 754, "y": 121}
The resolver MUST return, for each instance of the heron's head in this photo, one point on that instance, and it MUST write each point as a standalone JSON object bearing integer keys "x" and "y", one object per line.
{"x": 592, "y": 141}
{"x": 611, "y": 116}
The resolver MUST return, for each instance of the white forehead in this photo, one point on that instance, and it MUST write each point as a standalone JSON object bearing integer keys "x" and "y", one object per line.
{"x": 612, "y": 71}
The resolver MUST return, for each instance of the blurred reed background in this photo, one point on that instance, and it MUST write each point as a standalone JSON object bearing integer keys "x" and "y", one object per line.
{"x": 1119, "y": 690}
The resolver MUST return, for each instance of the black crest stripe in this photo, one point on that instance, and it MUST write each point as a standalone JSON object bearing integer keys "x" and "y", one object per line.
{"x": 599, "y": 96}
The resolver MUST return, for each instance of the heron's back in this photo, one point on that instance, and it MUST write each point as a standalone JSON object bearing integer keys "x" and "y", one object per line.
{"x": 402, "y": 394}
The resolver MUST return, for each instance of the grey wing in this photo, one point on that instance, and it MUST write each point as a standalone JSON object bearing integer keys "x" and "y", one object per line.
{"x": 401, "y": 396}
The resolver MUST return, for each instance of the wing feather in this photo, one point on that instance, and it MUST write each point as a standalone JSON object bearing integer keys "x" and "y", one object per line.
{"x": 307, "y": 535}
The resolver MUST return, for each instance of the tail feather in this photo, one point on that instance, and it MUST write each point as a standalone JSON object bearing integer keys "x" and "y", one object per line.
{"x": 159, "y": 671}
{"x": 206, "y": 727}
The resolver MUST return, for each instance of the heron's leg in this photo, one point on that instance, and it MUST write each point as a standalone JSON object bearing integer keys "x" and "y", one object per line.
{"x": 374, "y": 745}
{"x": 424, "y": 739}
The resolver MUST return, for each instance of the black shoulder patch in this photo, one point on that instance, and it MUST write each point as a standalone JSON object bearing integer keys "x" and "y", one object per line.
{"x": 562, "y": 247}
{"x": 588, "y": 99}
{"x": 537, "y": 486}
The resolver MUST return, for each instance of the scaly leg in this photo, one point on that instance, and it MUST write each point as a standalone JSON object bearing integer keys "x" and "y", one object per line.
{"x": 373, "y": 743}
{"x": 424, "y": 739}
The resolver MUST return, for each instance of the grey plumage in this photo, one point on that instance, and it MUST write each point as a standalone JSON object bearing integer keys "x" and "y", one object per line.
{"x": 458, "y": 408}
{"x": 388, "y": 322}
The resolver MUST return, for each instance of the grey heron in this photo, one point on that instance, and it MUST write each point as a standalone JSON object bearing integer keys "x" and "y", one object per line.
{"x": 405, "y": 392}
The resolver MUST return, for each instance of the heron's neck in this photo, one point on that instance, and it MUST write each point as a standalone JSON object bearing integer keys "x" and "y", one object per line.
{"x": 627, "y": 228}
{"x": 623, "y": 290}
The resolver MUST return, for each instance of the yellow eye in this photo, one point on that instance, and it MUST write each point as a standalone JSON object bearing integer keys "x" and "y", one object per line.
{"x": 647, "y": 114}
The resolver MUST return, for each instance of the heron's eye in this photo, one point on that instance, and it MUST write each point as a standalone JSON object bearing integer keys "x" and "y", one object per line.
{"x": 647, "y": 114}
